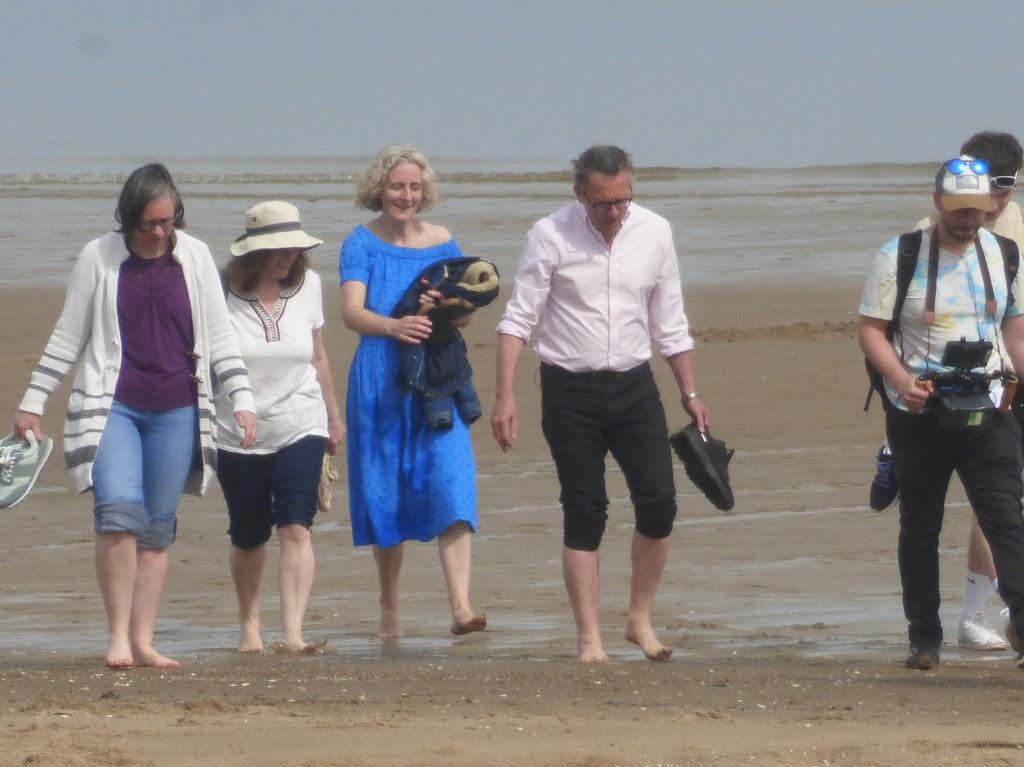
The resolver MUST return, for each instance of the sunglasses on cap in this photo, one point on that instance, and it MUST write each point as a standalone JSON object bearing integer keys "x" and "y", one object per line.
{"x": 1004, "y": 182}
{"x": 959, "y": 166}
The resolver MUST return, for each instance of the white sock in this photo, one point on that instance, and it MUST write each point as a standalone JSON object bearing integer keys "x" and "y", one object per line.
{"x": 977, "y": 591}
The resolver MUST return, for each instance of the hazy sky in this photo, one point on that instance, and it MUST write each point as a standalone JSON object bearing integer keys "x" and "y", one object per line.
{"x": 677, "y": 83}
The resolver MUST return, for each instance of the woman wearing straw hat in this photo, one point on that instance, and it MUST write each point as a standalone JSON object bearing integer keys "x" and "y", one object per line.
{"x": 276, "y": 307}
{"x": 144, "y": 320}
{"x": 406, "y": 481}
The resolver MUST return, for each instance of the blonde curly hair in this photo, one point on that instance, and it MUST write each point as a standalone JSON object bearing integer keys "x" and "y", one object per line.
{"x": 371, "y": 183}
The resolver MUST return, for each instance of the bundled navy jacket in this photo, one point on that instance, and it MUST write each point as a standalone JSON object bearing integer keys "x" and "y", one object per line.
{"x": 439, "y": 366}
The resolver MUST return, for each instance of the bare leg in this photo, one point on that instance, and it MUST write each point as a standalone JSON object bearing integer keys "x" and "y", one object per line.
{"x": 150, "y": 575}
{"x": 648, "y": 557}
{"x": 580, "y": 570}
{"x": 247, "y": 572}
{"x": 115, "y": 573}
{"x": 296, "y": 581}
{"x": 979, "y": 555}
{"x": 455, "y": 547}
{"x": 389, "y": 564}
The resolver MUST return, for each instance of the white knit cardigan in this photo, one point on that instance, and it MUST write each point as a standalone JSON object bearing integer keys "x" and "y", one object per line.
{"x": 88, "y": 333}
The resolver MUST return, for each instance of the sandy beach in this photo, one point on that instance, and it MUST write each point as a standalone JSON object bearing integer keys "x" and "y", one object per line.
{"x": 784, "y": 614}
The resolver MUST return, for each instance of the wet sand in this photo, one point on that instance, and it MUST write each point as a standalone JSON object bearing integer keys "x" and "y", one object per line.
{"x": 784, "y": 614}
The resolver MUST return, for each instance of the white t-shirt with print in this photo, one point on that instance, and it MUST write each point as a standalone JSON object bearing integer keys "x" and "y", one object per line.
{"x": 277, "y": 347}
{"x": 959, "y": 305}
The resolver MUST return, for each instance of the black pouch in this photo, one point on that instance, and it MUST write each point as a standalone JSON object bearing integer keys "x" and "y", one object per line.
{"x": 963, "y": 396}
{"x": 959, "y": 411}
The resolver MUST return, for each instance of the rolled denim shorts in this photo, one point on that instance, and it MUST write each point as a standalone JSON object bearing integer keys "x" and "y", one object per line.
{"x": 264, "y": 490}
{"x": 139, "y": 474}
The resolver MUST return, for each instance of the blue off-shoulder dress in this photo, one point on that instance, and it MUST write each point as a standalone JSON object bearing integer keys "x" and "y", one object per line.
{"x": 405, "y": 481}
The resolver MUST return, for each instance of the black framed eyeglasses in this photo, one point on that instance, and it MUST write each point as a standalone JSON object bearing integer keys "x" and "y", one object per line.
{"x": 605, "y": 206}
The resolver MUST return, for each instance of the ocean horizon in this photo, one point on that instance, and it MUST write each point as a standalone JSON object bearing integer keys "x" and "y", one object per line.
{"x": 730, "y": 223}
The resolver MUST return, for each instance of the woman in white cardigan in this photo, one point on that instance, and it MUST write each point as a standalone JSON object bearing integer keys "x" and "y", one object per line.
{"x": 145, "y": 321}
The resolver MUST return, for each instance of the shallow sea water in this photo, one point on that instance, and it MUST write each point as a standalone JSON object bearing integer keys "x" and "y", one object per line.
{"x": 730, "y": 224}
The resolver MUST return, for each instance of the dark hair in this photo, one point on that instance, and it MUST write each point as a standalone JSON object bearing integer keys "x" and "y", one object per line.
{"x": 244, "y": 272}
{"x": 144, "y": 185}
{"x": 605, "y": 159}
{"x": 1002, "y": 151}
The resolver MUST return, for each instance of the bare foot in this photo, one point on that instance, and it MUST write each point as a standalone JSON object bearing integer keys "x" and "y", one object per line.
{"x": 119, "y": 653}
{"x": 153, "y": 659}
{"x": 590, "y": 656}
{"x": 591, "y": 650}
{"x": 642, "y": 635}
{"x": 301, "y": 647}
{"x": 390, "y": 627}
{"x": 249, "y": 639}
{"x": 474, "y": 623}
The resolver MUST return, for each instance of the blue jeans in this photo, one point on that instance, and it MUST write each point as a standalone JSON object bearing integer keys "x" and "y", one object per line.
{"x": 141, "y": 466}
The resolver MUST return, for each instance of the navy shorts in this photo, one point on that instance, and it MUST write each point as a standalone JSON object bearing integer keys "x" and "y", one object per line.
{"x": 270, "y": 489}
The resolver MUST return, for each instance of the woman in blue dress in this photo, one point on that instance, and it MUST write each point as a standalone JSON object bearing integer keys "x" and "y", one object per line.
{"x": 406, "y": 481}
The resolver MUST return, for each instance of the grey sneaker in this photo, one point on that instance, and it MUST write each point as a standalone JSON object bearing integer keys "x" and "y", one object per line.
{"x": 20, "y": 464}
{"x": 922, "y": 657}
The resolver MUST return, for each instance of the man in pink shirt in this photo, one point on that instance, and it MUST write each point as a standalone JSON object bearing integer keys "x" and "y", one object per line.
{"x": 603, "y": 275}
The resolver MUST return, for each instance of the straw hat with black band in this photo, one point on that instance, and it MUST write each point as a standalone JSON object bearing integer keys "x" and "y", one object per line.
{"x": 273, "y": 225}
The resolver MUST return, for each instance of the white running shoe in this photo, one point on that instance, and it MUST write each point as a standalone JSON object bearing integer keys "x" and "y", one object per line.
{"x": 975, "y": 635}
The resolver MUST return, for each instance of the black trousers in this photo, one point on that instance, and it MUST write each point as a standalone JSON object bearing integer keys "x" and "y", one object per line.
{"x": 988, "y": 461}
{"x": 586, "y": 415}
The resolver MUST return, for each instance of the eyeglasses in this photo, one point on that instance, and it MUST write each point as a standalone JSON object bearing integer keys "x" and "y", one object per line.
{"x": 150, "y": 224}
{"x": 959, "y": 166}
{"x": 1004, "y": 182}
{"x": 604, "y": 207}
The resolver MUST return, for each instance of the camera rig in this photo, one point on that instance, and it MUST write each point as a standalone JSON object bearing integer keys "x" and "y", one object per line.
{"x": 961, "y": 393}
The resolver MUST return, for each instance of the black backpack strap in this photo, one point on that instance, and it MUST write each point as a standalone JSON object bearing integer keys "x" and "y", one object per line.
{"x": 907, "y": 249}
{"x": 225, "y": 281}
{"x": 1011, "y": 264}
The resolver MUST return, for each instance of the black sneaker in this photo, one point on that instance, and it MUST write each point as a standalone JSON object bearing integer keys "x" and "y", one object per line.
{"x": 883, "y": 487}
{"x": 706, "y": 461}
{"x": 922, "y": 657}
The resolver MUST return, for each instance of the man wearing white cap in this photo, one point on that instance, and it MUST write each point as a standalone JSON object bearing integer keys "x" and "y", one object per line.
{"x": 958, "y": 292}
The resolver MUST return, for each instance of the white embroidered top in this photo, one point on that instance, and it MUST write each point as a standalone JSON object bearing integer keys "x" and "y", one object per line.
{"x": 277, "y": 346}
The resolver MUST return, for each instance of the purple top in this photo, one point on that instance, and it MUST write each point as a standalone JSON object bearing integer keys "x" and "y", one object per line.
{"x": 155, "y": 318}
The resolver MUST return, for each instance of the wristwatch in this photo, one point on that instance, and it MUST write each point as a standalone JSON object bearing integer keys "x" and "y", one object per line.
{"x": 690, "y": 395}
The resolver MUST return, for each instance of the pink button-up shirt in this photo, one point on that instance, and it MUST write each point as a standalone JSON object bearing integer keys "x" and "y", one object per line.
{"x": 599, "y": 307}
